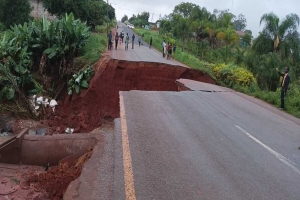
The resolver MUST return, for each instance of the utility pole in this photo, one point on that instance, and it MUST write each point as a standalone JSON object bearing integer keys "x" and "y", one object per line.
{"x": 107, "y": 18}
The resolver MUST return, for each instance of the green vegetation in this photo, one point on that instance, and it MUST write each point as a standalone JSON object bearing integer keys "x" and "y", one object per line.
{"x": 14, "y": 12}
{"x": 124, "y": 18}
{"x": 181, "y": 56}
{"x": 40, "y": 46}
{"x": 80, "y": 80}
{"x": 137, "y": 20}
{"x": 211, "y": 43}
{"x": 93, "y": 50}
{"x": 38, "y": 57}
{"x": 92, "y": 11}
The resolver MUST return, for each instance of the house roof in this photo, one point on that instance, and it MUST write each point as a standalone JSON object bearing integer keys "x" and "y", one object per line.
{"x": 240, "y": 33}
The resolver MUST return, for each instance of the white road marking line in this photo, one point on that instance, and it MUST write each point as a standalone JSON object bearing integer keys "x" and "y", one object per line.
{"x": 259, "y": 105}
{"x": 277, "y": 155}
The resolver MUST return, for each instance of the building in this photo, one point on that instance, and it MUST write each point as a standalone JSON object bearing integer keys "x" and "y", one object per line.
{"x": 38, "y": 10}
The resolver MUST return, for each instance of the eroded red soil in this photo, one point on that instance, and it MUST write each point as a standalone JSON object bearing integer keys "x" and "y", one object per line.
{"x": 100, "y": 102}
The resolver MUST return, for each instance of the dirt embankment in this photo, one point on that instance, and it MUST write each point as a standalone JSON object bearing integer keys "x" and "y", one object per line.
{"x": 100, "y": 102}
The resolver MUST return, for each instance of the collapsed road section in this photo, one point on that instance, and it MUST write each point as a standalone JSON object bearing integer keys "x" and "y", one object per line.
{"x": 100, "y": 102}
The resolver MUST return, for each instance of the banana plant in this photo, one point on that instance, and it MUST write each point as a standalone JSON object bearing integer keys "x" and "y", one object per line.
{"x": 80, "y": 80}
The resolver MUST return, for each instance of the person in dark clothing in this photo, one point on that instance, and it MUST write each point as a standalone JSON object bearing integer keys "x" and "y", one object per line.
{"x": 150, "y": 44}
{"x": 126, "y": 42}
{"x": 169, "y": 50}
{"x": 109, "y": 36}
{"x": 284, "y": 84}
{"x": 116, "y": 40}
{"x": 133, "y": 37}
{"x": 140, "y": 42}
{"x": 174, "y": 50}
{"x": 122, "y": 36}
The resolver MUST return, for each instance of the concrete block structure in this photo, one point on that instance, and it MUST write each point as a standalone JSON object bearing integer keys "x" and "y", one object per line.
{"x": 38, "y": 10}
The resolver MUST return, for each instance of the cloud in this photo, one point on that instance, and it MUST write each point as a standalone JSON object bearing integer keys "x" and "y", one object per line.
{"x": 252, "y": 10}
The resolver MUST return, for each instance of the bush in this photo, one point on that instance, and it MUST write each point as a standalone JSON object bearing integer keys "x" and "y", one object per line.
{"x": 51, "y": 45}
{"x": 58, "y": 42}
{"x": 232, "y": 75}
{"x": 80, "y": 80}
{"x": 15, "y": 65}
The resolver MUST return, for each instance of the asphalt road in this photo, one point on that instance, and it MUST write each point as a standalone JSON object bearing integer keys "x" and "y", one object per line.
{"x": 207, "y": 145}
{"x": 139, "y": 53}
{"x": 210, "y": 143}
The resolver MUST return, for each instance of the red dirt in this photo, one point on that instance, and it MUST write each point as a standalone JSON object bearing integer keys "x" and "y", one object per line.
{"x": 54, "y": 183}
{"x": 11, "y": 186}
{"x": 92, "y": 107}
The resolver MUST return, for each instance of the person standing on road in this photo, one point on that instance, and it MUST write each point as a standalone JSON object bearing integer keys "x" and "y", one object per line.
{"x": 169, "y": 49}
{"x": 164, "y": 48}
{"x": 122, "y": 36}
{"x": 150, "y": 44}
{"x": 284, "y": 84}
{"x": 133, "y": 37}
{"x": 116, "y": 40}
{"x": 126, "y": 41}
{"x": 109, "y": 36}
{"x": 140, "y": 41}
{"x": 174, "y": 50}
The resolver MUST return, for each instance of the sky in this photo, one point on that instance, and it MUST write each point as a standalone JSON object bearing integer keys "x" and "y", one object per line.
{"x": 252, "y": 9}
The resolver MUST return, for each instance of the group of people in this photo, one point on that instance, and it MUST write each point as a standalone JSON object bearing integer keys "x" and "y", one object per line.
{"x": 168, "y": 49}
{"x": 141, "y": 43}
{"x": 119, "y": 38}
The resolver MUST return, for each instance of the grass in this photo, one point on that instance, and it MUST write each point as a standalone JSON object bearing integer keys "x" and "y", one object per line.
{"x": 94, "y": 49}
{"x": 97, "y": 43}
{"x": 292, "y": 100}
{"x": 181, "y": 56}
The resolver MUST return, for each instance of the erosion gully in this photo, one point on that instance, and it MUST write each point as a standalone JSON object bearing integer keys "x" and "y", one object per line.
{"x": 93, "y": 108}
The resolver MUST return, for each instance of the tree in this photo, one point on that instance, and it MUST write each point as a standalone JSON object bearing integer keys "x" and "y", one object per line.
{"x": 94, "y": 11}
{"x": 247, "y": 38}
{"x": 140, "y": 19}
{"x": 2, "y": 4}
{"x": 248, "y": 31}
{"x": 124, "y": 19}
{"x": 165, "y": 26}
{"x": 184, "y": 9}
{"x": 144, "y": 16}
{"x": 240, "y": 23}
{"x": 132, "y": 18}
{"x": 229, "y": 36}
{"x": 211, "y": 31}
{"x": 14, "y": 12}
{"x": 280, "y": 36}
{"x": 226, "y": 21}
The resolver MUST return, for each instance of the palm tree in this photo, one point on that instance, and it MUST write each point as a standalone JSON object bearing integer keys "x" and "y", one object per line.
{"x": 210, "y": 29}
{"x": 279, "y": 33}
{"x": 226, "y": 21}
{"x": 229, "y": 36}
